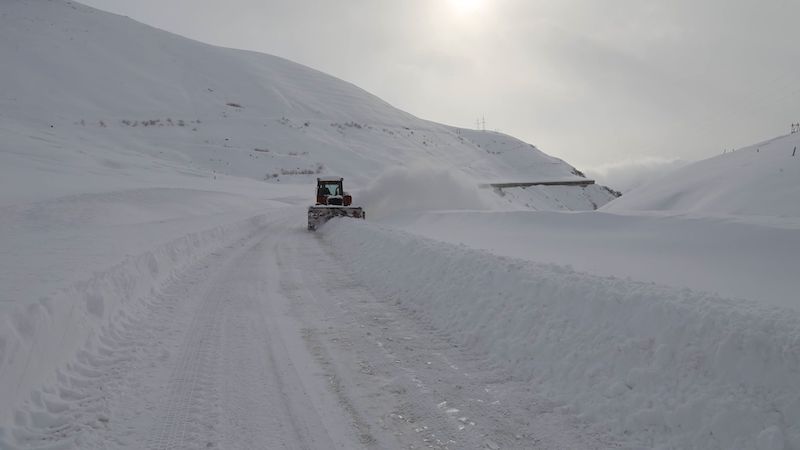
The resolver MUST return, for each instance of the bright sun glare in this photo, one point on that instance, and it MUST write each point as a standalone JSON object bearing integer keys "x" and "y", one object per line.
{"x": 466, "y": 6}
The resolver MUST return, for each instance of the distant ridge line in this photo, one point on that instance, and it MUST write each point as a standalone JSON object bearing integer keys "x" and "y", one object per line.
{"x": 537, "y": 183}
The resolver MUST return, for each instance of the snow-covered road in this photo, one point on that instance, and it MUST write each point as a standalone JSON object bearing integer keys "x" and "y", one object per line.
{"x": 269, "y": 343}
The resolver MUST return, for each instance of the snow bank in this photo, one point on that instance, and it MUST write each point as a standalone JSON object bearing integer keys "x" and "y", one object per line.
{"x": 756, "y": 260}
{"x": 36, "y": 338}
{"x": 403, "y": 190}
{"x": 657, "y": 366}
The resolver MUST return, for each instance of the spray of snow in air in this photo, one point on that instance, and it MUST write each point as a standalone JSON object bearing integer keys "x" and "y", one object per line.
{"x": 417, "y": 188}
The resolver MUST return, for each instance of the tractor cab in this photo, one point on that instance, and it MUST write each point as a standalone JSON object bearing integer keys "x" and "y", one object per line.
{"x": 330, "y": 191}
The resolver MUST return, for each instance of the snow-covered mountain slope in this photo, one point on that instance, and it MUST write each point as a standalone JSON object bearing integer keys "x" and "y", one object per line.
{"x": 762, "y": 179}
{"x": 78, "y": 80}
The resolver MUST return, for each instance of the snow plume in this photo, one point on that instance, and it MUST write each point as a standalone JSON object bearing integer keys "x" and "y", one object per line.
{"x": 632, "y": 173}
{"x": 410, "y": 189}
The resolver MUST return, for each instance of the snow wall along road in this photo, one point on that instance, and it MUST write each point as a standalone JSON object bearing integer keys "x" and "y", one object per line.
{"x": 659, "y": 366}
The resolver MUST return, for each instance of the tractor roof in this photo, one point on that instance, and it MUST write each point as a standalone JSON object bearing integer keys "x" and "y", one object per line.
{"x": 330, "y": 179}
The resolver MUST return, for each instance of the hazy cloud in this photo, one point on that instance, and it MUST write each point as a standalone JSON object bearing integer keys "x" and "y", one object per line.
{"x": 627, "y": 175}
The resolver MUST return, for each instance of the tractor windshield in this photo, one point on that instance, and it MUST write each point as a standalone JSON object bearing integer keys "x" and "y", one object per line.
{"x": 331, "y": 189}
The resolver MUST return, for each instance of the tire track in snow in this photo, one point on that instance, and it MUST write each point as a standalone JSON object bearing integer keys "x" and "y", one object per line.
{"x": 414, "y": 386}
{"x": 387, "y": 398}
{"x": 100, "y": 398}
{"x": 260, "y": 412}
{"x": 271, "y": 344}
{"x": 207, "y": 362}
{"x": 236, "y": 384}
{"x": 191, "y": 396}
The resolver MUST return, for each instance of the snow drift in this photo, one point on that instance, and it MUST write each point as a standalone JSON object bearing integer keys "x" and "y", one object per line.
{"x": 671, "y": 368}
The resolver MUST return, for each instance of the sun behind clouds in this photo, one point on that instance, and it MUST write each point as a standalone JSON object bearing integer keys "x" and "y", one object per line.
{"x": 466, "y": 6}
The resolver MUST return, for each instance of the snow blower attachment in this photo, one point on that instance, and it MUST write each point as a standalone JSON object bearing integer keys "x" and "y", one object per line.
{"x": 332, "y": 201}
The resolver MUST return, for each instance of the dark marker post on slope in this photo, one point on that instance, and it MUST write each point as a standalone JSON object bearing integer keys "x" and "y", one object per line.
{"x": 794, "y": 151}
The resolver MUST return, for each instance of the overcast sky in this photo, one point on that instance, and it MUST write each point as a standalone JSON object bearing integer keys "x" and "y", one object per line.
{"x": 594, "y": 82}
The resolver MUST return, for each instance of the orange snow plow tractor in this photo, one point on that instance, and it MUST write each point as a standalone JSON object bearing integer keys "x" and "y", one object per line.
{"x": 332, "y": 201}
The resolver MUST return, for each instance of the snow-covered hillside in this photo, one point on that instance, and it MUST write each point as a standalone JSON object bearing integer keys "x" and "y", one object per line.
{"x": 158, "y": 287}
{"x": 762, "y": 179}
{"x": 78, "y": 80}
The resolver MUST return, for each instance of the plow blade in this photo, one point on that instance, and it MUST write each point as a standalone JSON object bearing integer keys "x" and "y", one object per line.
{"x": 317, "y": 215}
